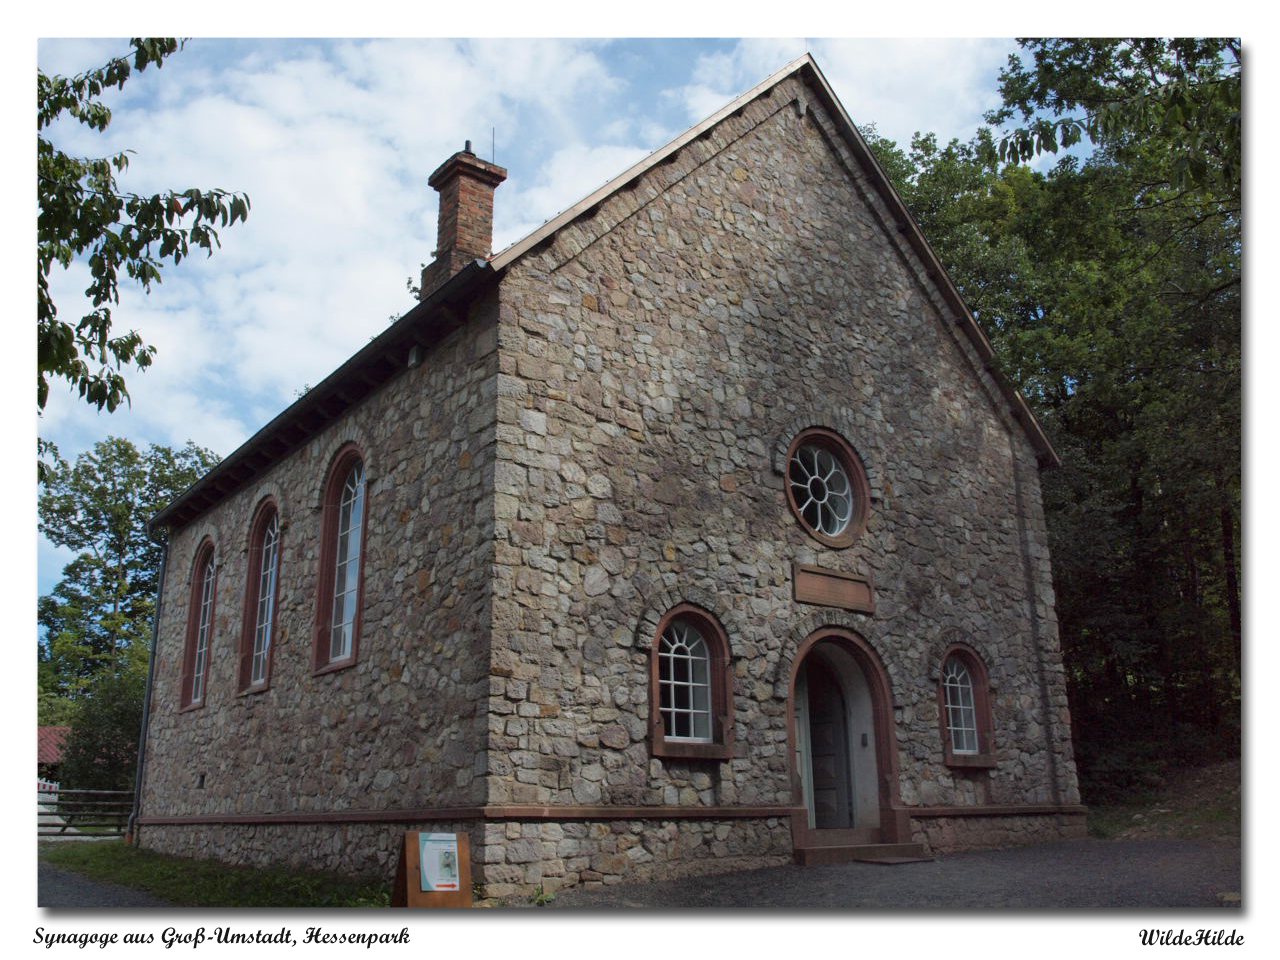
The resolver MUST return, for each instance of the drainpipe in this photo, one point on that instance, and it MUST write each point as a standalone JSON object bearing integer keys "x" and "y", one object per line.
{"x": 131, "y": 830}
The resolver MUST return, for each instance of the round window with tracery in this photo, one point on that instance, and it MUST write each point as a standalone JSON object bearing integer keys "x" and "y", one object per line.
{"x": 826, "y": 487}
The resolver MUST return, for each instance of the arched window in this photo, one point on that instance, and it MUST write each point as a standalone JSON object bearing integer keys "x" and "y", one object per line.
{"x": 965, "y": 709}
{"x": 827, "y": 487}
{"x": 341, "y": 564}
{"x": 260, "y": 599}
{"x": 684, "y": 682}
{"x": 957, "y": 695}
{"x": 195, "y": 662}
{"x": 691, "y": 689}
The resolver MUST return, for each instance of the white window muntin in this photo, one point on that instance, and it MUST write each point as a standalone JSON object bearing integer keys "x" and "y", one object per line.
{"x": 962, "y": 717}
{"x": 203, "y": 626}
{"x": 821, "y": 489}
{"x": 265, "y": 614}
{"x": 347, "y": 565}
{"x": 684, "y": 683}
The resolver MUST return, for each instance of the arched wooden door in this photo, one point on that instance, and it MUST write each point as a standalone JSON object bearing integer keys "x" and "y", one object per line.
{"x": 845, "y": 768}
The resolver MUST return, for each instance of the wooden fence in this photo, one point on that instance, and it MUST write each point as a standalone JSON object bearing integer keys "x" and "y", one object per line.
{"x": 100, "y": 813}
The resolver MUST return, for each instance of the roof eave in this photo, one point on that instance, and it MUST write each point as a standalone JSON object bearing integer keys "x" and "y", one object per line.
{"x": 1046, "y": 456}
{"x": 364, "y": 373}
{"x": 518, "y": 249}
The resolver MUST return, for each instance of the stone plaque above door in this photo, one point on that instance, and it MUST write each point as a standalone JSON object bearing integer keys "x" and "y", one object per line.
{"x": 832, "y": 588}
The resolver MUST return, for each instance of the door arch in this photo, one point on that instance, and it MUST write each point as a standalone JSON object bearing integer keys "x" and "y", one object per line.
{"x": 843, "y": 746}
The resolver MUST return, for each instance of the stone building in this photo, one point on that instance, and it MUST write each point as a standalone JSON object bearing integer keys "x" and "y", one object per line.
{"x": 694, "y": 532}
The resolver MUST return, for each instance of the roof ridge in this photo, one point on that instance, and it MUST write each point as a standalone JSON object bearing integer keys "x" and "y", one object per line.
{"x": 515, "y": 251}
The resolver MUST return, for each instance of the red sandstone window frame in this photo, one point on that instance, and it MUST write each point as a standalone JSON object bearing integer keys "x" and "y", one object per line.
{"x": 203, "y": 566}
{"x": 343, "y": 462}
{"x": 981, "y": 689}
{"x": 262, "y": 518}
{"x": 860, "y": 491}
{"x": 720, "y": 676}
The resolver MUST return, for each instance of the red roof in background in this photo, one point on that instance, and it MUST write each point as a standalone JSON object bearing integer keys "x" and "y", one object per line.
{"x": 50, "y": 743}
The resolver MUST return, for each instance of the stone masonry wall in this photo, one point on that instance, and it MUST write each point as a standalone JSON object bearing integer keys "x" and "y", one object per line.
{"x": 521, "y": 857}
{"x": 400, "y": 729}
{"x": 604, "y": 439}
{"x": 954, "y": 834}
{"x": 364, "y": 850}
{"x": 653, "y": 360}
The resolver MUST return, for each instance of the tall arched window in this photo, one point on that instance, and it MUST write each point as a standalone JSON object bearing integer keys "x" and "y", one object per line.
{"x": 957, "y": 695}
{"x": 260, "y": 599}
{"x": 195, "y": 665}
{"x": 341, "y": 564}
{"x": 965, "y": 709}
{"x": 684, "y": 682}
{"x": 691, "y": 690}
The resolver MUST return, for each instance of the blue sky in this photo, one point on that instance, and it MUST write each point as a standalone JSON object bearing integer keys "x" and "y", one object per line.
{"x": 333, "y": 140}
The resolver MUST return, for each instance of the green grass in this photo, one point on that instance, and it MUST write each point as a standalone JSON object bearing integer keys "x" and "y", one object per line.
{"x": 208, "y": 883}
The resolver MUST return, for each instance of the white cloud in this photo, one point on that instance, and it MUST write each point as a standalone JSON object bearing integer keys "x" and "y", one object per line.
{"x": 928, "y": 85}
{"x": 902, "y": 86}
{"x": 333, "y": 142}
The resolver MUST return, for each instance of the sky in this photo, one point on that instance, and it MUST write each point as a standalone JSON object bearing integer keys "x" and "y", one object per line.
{"x": 333, "y": 141}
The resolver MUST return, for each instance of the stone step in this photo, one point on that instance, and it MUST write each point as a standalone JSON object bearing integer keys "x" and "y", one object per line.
{"x": 882, "y": 853}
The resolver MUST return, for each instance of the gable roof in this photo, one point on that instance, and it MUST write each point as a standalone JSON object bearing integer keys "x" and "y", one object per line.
{"x": 444, "y": 310}
{"x": 806, "y": 69}
{"x": 49, "y": 742}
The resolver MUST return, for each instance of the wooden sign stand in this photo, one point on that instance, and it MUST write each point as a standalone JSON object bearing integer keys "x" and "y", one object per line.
{"x": 408, "y": 890}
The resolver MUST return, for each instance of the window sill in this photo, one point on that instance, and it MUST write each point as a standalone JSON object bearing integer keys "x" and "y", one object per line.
{"x": 979, "y": 760}
{"x": 188, "y": 707}
{"x": 691, "y": 751}
{"x": 334, "y": 666}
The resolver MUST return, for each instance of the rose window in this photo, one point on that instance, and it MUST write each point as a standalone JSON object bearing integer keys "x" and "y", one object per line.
{"x": 821, "y": 488}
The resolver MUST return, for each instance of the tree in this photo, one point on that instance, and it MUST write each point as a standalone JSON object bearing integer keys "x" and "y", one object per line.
{"x": 101, "y": 752}
{"x": 85, "y": 215}
{"x": 1112, "y": 299}
{"x": 1183, "y": 94}
{"x": 98, "y": 617}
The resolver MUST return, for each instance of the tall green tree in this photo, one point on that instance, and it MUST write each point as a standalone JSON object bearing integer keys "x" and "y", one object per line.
{"x": 98, "y": 617}
{"x": 86, "y": 216}
{"x": 1111, "y": 294}
{"x": 101, "y": 752}
{"x": 1181, "y": 96}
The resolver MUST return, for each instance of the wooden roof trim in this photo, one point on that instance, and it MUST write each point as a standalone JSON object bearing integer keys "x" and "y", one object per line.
{"x": 626, "y": 179}
{"x": 808, "y": 68}
{"x": 915, "y": 236}
{"x": 361, "y": 375}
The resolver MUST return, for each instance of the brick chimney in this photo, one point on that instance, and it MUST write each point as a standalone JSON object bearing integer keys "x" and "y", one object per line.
{"x": 465, "y": 233}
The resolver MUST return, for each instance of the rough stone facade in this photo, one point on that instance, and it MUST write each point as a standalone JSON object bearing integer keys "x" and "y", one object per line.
{"x": 603, "y": 438}
{"x": 351, "y": 739}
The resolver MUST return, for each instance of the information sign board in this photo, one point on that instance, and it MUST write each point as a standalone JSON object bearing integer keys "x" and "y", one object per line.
{"x": 433, "y": 870}
{"x": 438, "y": 855}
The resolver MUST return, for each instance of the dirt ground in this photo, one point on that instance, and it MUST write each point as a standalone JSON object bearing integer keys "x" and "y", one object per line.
{"x": 1198, "y": 803}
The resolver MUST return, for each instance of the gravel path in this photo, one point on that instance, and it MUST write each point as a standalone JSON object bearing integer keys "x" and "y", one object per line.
{"x": 1076, "y": 873}
{"x": 61, "y": 888}
{"x": 1080, "y": 873}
